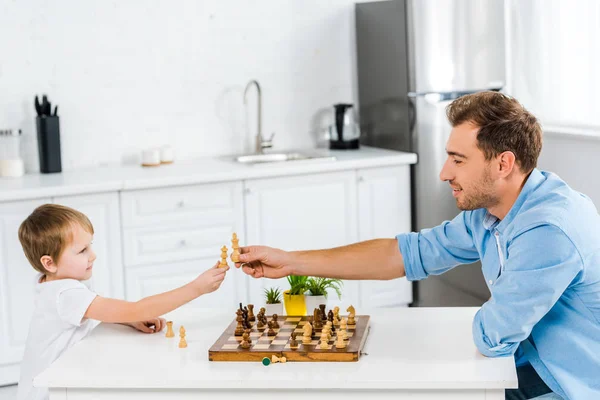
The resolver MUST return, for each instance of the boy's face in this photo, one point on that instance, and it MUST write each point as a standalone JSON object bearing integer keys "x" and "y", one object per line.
{"x": 78, "y": 258}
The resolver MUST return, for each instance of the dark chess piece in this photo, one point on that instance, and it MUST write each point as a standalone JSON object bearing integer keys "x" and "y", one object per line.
{"x": 239, "y": 329}
{"x": 275, "y": 324}
{"x": 293, "y": 341}
{"x": 260, "y": 324}
{"x": 247, "y": 331}
{"x": 317, "y": 319}
{"x": 251, "y": 316}
{"x": 270, "y": 332}
{"x": 330, "y": 316}
{"x": 323, "y": 313}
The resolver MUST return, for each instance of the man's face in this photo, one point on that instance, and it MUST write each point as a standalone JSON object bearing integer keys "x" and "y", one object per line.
{"x": 467, "y": 171}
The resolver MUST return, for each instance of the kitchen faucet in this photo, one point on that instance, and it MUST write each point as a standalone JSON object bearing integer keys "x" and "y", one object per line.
{"x": 261, "y": 143}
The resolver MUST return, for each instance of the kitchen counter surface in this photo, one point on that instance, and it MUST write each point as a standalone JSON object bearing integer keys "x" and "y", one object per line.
{"x": 213, "y": 169}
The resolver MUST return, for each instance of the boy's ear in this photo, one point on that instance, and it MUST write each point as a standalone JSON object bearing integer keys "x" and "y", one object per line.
{"x": 48, "y": 264}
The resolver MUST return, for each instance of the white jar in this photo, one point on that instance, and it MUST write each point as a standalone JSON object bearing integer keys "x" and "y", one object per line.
{"x": 11, "y": 164}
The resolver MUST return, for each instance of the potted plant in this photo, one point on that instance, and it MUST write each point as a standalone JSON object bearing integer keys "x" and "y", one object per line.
{"x": 293, "y": 298}
{"x": 273, "y": 301}
{"x": 317, "y": 291}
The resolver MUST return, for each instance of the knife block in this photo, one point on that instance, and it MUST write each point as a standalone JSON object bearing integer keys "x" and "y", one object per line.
{"x": 48, "y": 135}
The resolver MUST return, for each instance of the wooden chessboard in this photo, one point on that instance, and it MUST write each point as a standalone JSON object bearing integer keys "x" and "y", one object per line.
{"x": 227, "y": 347}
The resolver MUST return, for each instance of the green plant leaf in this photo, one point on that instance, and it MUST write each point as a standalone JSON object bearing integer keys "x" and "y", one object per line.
{"x": 297, "y": 284}
{"x": 273, "y": 295}
{"x": 318, "y": 286}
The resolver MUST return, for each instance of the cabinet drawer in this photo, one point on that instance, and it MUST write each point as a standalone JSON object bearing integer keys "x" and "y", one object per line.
{"x": 151, "y": 245}
{"x": 154, "y": 279}
{"x": 210, "y": 202}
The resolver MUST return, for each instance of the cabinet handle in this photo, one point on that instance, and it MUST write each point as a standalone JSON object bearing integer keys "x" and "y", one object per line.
{"x": 361, "y": 179}
{"x": 247, "y": 191}
{"x": 181, "y": 204}
{"x": 183, "y": 243}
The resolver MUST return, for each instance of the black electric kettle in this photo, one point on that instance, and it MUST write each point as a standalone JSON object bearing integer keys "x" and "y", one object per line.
{"x": 344, "y": 133}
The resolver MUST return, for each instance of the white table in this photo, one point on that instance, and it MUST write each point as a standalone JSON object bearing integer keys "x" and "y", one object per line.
{"x": 416, "y": 353}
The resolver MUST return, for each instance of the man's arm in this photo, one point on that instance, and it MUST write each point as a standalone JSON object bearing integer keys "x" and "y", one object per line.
{"x": 378, "y": 259}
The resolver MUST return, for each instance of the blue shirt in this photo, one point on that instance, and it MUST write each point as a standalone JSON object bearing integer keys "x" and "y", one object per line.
{"x": 542, "y": 266}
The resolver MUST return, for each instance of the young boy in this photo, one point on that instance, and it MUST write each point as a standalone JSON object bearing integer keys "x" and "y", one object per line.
{"x": 57, "y": 241}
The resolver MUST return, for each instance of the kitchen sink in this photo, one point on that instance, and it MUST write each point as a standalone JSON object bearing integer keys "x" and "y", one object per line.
{"x": 283, "y": 157}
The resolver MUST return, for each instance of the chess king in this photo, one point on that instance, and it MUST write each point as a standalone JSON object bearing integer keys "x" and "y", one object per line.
{"x": 536, "y": 237}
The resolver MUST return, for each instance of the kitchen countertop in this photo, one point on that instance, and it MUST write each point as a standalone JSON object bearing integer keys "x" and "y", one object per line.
{"x": 407, "y": 348}
{"x": 206, "y": 170}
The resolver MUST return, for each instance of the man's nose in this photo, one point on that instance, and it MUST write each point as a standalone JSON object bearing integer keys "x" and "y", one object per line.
{"x": 445, "y": 174}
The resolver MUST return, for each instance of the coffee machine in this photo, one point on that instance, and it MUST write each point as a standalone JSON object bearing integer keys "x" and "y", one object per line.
{"x": 344, "y": 133}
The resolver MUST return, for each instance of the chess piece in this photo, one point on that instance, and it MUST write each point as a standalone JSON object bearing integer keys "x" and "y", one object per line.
{"x": 340, "y": 343}
{"x": 245, "y": 344}
{"x": 351, "y": 315}
{"x": 275, "y": 324}
{"x": 323, "y": 313}
{"x": 293, "y": 341}
{"x": 239, "y": 329}
{"x": 330, "y": 327}
{"x": 247, "y": 332}
{"x": 251, "y": 316}
{"x": 170, "y": 332}
{"x": 276, "y": 359}
{"x": 343, "y": 334}
{"x": 235, "y": 256}
{"x": 330, "y": 316}
{"x": 182, "y": 342}
{"x": 307, "y": 337}
{"x": 317, "y": 319}
{"x": 324, "y": 344}
{"x": 343, "y": 324}
{"x": 260, "y": 325}
{"x": 271, "y": 332}
{"x": 223, "y": 262}
{"x": 336, "y": 315}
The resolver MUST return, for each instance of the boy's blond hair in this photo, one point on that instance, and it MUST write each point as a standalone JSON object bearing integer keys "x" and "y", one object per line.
{"x": 48, "y": 231}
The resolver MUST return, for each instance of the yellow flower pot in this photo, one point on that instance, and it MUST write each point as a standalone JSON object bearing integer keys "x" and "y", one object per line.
{"x": 294, "y": 303}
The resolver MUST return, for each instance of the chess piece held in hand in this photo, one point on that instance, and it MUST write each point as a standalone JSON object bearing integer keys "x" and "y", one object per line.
{"x": 223, "y": 262}
{"x": 235, "y": 255}
{"x": 182, "y": 342}
{"x": 170, "y": 332}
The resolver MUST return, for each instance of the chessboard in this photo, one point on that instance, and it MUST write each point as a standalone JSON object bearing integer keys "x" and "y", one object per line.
{"x": 227, "y": 347}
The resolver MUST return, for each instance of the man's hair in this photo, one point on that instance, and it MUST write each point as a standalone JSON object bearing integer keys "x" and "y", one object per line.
{"x": 504, "y": 125}
{"x": 48, "y": 231}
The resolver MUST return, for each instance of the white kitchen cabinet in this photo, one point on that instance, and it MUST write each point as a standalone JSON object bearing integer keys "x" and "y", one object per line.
{"x": 383, "y": 212}
{"x": 103, "y": 211}
{"x": 17, "y": 281}
{"x": 170, "y": 236}
{"x": 149, "y": 280}
{"x": 301, "y": 213}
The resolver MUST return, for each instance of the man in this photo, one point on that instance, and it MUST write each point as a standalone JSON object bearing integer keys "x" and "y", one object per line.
{"x": 538, "y": 241}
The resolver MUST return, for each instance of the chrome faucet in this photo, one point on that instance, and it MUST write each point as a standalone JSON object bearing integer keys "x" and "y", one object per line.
{"x": 261, "y": 143}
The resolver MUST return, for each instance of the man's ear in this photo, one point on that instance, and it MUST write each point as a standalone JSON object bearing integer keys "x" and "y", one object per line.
{"x": 506, "y": 163}
{"x": 48, "y": 264}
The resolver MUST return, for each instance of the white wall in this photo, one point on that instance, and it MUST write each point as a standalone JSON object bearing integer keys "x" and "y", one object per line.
{"x": 137, "y": 73}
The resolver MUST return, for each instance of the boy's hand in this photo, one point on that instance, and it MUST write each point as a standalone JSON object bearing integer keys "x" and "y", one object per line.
{"x": 211, "y": 279}
{"x": 151, "y": 326}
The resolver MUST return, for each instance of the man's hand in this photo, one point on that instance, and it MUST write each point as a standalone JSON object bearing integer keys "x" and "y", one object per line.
{"x": 265, "y": 262}
{"x": 151, "y": 326}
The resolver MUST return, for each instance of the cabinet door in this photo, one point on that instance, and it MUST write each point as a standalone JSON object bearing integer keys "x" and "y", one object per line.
{"x": 301, "y": 213}
{"x": 148, "y": 280}
{"x": 384, "y": 211}
{"x": 103, "y": 211}
{"x": 17, "y": 281}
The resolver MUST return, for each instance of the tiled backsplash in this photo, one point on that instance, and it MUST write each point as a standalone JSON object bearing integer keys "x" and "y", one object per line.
{"x": 134, "y": 74}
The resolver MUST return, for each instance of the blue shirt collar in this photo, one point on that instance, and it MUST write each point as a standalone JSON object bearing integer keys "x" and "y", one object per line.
{"x": 533, "y": 181}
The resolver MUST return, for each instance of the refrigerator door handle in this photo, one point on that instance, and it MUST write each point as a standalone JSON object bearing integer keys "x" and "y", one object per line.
{"x": 445, "y": 96}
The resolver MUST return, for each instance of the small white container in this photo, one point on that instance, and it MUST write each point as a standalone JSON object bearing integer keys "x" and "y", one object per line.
{"x": 12, "y": 168}
{"x": 167, "y": 155}
{"x": 151, "y": 158}
{"x": 11, "y": 164}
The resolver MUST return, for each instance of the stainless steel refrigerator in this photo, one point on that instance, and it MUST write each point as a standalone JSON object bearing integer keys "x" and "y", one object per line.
{"x": 413, "y": 58}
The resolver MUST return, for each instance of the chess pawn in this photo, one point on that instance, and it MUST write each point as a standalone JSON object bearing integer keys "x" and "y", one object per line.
{"x": 182, "y": 342}
{"x": 260, "y": 325}
{"x": 245, "y": 344}
{"x": 276, "y": 359}
{"x": 271, "y": 332}
{"x": 343, "y": 324}
{"x": 293, "y": 341}
{"x": 247, "y": 333}
{"x": 340, "y": 344}
{"x": 343, "y": 334}
{"x": 170, "y": 332}
{"x": 336, "y": 313}
{"x": 223, "y": 262}
{"x": 324, "y": 341}
{"x": 275, "y": 324}
{"x": 251, "y": 316}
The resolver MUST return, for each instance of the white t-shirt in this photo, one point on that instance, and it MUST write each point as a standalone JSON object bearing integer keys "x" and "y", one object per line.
{"x": 56, "y": 325}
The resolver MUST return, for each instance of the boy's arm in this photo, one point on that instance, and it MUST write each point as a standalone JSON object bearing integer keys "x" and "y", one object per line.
{"x": 121, "y": 311}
